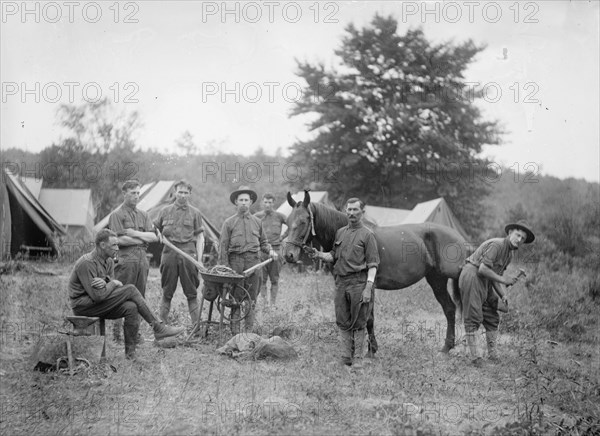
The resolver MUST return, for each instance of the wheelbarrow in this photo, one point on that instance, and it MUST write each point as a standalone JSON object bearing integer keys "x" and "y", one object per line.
{"x": 230, "y": 292}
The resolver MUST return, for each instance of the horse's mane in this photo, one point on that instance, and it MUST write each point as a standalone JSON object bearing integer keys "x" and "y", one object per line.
{"x": 327, "y": 222}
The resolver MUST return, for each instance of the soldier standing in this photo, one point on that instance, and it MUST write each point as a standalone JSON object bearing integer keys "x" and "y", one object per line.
{"x": 181, "y": 223}
{"x": 356, "y": 260}
{"x": 272, "y": 222}
{"x": 482, "y": 282}
{"x": 242, "y": 238}
{"x": 135, "y": 231}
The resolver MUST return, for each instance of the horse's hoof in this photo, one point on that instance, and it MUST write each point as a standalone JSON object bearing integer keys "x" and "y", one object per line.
{"x": 371, "y": 354}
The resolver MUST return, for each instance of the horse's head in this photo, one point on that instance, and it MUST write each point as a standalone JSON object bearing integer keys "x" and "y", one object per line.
{"x": 300, "y": 227}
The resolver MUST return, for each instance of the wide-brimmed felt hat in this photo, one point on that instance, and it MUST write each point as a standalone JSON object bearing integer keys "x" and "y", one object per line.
{"x": 521, "y": 225}
{"x": 243, "y": 190}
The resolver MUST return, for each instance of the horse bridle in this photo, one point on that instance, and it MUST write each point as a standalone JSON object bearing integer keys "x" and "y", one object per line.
{"x": 310, "y": 230}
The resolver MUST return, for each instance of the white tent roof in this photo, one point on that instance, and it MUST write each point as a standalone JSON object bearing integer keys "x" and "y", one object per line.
{"x": 71, "y": 207}
{"x": 434, "y": 211}
{"x": 34, "y": 185}
{"x": 385, "y": 216}
{"x": 423, "y": 211}
{"x": 156, "y": 195}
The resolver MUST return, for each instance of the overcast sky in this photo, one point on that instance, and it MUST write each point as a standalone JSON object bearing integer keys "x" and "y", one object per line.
{"x": 227, "y": 74}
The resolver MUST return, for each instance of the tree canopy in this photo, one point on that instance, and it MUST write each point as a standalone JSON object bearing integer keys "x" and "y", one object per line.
{"x": 397, "y": 120}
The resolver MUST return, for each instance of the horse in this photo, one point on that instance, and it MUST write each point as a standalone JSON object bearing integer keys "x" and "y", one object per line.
{"x": 407, "y": 252}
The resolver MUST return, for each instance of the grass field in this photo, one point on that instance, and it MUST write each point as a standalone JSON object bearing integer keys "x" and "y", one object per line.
{"x": 547, "y": 383}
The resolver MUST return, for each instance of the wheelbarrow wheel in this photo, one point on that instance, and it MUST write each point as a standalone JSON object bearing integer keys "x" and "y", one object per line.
{"x": 228, "y": 300}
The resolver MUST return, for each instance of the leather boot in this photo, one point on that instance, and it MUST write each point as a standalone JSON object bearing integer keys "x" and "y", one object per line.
{"x": 162, "y": 331}
{"x": 131, "y": 333}
{"x": 346, "y": 340}
{"x": 491, "y": 337}
{"x": 194, "y": 309}
{"x": 165, "y": 307}
{"x": 472, "y": 344}
{"x": 274, "y": 290}
{"x": 139, "y": 340}
{"x": 359, "y": 348}
{"x": 130, "y": 351}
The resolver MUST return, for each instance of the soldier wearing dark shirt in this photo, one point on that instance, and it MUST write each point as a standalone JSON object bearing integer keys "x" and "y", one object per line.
{"x": 135, "y": 231}
{"x": 94, "y": 292}
{"x": 355, "y": 259}
{"x": 272, "y": 222}
{"x": 242, "y": 238}
{"x": 481, "y": 278}
{"x": 181, "y": 223}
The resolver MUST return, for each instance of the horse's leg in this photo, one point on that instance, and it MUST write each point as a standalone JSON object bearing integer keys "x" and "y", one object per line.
{"x": 372, "y": 348}
{"x": 439, "y": 285}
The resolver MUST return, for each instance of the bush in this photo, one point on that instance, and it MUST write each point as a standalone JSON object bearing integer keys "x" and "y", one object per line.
{"x": 558, "y": 298}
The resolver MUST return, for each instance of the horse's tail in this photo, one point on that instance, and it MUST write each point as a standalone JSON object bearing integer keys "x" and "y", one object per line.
{"x": 456, "y": 297}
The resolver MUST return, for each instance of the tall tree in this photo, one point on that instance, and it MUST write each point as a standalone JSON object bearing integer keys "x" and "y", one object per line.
{"x": 398, "y": 121}
{"x": 97, "y": 151}
{"x": 186, "y": 144}
{"x": 96, "y": 127}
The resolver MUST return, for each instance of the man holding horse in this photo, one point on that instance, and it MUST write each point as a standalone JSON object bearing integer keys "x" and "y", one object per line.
{"x": 356, "y": 258}
{"x": 242, "y": 238}
{"x": 482, "y": 278}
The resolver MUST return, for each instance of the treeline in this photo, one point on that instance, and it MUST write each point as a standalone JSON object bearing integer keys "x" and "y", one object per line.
{"x": 564, "y": 213}
{"x": 213, "y": 176}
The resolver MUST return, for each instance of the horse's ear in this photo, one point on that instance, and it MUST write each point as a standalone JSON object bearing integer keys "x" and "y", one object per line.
{"x": 306, "y": 201}
{"x": 290, "y": 200}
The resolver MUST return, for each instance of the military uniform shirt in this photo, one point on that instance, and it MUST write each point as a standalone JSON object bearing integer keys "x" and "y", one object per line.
{"x": 354, "y": 250}
{"x": 241, "y": 234}
{"x": 494, "y": 253}
{"x": 126, "y": 217}
{"x": 272, "y": 223}
{"x": 180, "y": 224}
{"x": 88, "y": 267}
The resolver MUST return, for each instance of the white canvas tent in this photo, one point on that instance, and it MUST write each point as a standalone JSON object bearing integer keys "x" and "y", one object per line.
{"x": 34, "y": 185}
{"x": 385, "y": 216}
{"x": 24, "y": 223}
{"x": 435, "y": 211}
{"x": 72, "y": 208}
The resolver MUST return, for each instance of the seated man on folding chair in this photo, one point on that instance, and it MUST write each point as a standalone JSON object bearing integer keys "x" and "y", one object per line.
{"x": 94, "y": 292}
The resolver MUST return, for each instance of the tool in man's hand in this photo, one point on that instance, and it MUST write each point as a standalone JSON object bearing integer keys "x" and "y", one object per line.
{"x": 522, "y": 273}
{"x": 182, "y": 253}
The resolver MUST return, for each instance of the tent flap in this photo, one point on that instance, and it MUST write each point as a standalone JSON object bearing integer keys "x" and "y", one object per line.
{"x": 24, "y": 219}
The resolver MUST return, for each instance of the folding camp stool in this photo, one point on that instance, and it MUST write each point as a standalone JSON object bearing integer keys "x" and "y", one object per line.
{"x": 84, "y": 326}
